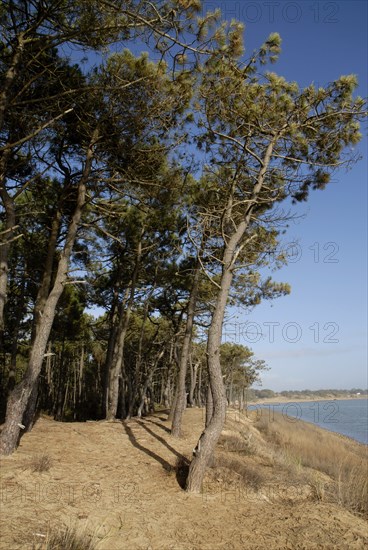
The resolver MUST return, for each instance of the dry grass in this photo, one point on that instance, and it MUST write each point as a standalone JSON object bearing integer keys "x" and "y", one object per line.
{"x": 352, "y": 486}
{"x": 317, "y": 486}
{"x": 309, "y": 446}
{"x": 67, "y": 538}
{"x": 40, "y": 463}
{"x": 239, "y": 443}
{"x": 247, "y": 474}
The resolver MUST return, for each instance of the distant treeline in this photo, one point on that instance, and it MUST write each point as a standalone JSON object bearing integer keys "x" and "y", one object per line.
{"x": 253, "y": 394}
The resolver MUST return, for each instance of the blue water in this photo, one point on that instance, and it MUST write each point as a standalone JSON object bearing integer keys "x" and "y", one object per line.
{"x": 347, "y": 417}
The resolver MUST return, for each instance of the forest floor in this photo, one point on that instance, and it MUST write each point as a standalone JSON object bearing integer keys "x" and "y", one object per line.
{"x": 118, "y": 483}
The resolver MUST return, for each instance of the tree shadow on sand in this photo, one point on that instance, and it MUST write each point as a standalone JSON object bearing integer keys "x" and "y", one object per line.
{"x": 181, "y": 466}
{"x": 167, "y": 430}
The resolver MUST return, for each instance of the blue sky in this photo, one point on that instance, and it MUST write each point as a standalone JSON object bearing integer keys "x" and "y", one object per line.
{"x": 316, "y": 337}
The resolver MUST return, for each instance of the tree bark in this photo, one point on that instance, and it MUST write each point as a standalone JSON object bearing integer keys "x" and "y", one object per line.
{"x": 232, "y": 247}
{"x": 62, "y": 378}
{"x": 209, "y": 406}
{"x": 143, "y": 394}
{"x": 18, "y": 399}
{"x": 15, "y": 335}
{"x": 184, "y": 356}
{"x": 6, "y": 239}
{"x": 209, "y": 438}
{"x": 8, "y": 202}
{"x": 29, "y": 416}
{"x": 114, "y": 373}
{"x": 44, "y": 289}
{"x": 199, "y": 399}
{"x": 193, "y": 382}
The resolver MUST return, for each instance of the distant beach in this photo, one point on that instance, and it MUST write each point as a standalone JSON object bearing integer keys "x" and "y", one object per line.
{"x": 282, "y": 399}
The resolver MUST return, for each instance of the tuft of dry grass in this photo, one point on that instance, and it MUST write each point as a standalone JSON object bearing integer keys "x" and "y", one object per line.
{"x": 67, "y": 538}
{"x": 40, "y": 463}
{"x": 318, "y": 489}
{"x": 352, "y": 486}
{"x": 240, "y": 443}
{"x": 249, "y": 475}
{"x": 309, "y": 446}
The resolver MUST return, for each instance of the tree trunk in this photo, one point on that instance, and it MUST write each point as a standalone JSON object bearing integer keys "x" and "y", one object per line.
{"x": 44, "y": 290}
{"x": 232, "y": 248}
{"x": 167, "y": 389}
{"x": 193, "y": 382}
{"x": 58, "y": 405}
{"x": 199, "y": 387}
{"x": 5, "y": 96}
{"x": 80, "y": 373}
{"x": 184, "y": 356}
{"x": 173, "y": 406}
{"x": 148, "y": 382}
{"x": 115, "y": 374}
{"x": 122, "y": 405}
{"x": 138, "y": 363}
{"x": 143, "y": 394}
{"x": 231, "y": 386}
{"x": 114, "y": 323}
{"x": 6, "y": 237}
{"x": 209, "y": 438}
{"x": 209, "y": 406}
{"x": 18, "y": 399}
{"x": 15, "y": 335}
{"x": 29, "y": 417}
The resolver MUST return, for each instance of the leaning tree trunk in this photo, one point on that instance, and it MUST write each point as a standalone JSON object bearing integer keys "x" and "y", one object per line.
{"x": 207, "y": 442}
{"x": 209, "y": 437}
{"x": 214, "y": 423}
{"x": 18, "y": 399}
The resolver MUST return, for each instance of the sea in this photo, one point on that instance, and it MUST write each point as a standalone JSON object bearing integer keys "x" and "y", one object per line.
{"x": 344, "y": 416}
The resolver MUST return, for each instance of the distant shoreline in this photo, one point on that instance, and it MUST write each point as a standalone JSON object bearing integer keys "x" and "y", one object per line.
{"x": 282, "y": 399}
{"x": 281, "y": 406}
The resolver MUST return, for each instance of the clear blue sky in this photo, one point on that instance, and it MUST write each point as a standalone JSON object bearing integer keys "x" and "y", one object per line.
{"x": 328, "y": 271}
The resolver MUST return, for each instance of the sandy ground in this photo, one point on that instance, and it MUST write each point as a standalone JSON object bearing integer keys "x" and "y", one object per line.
{"x": 117, "y": 479}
